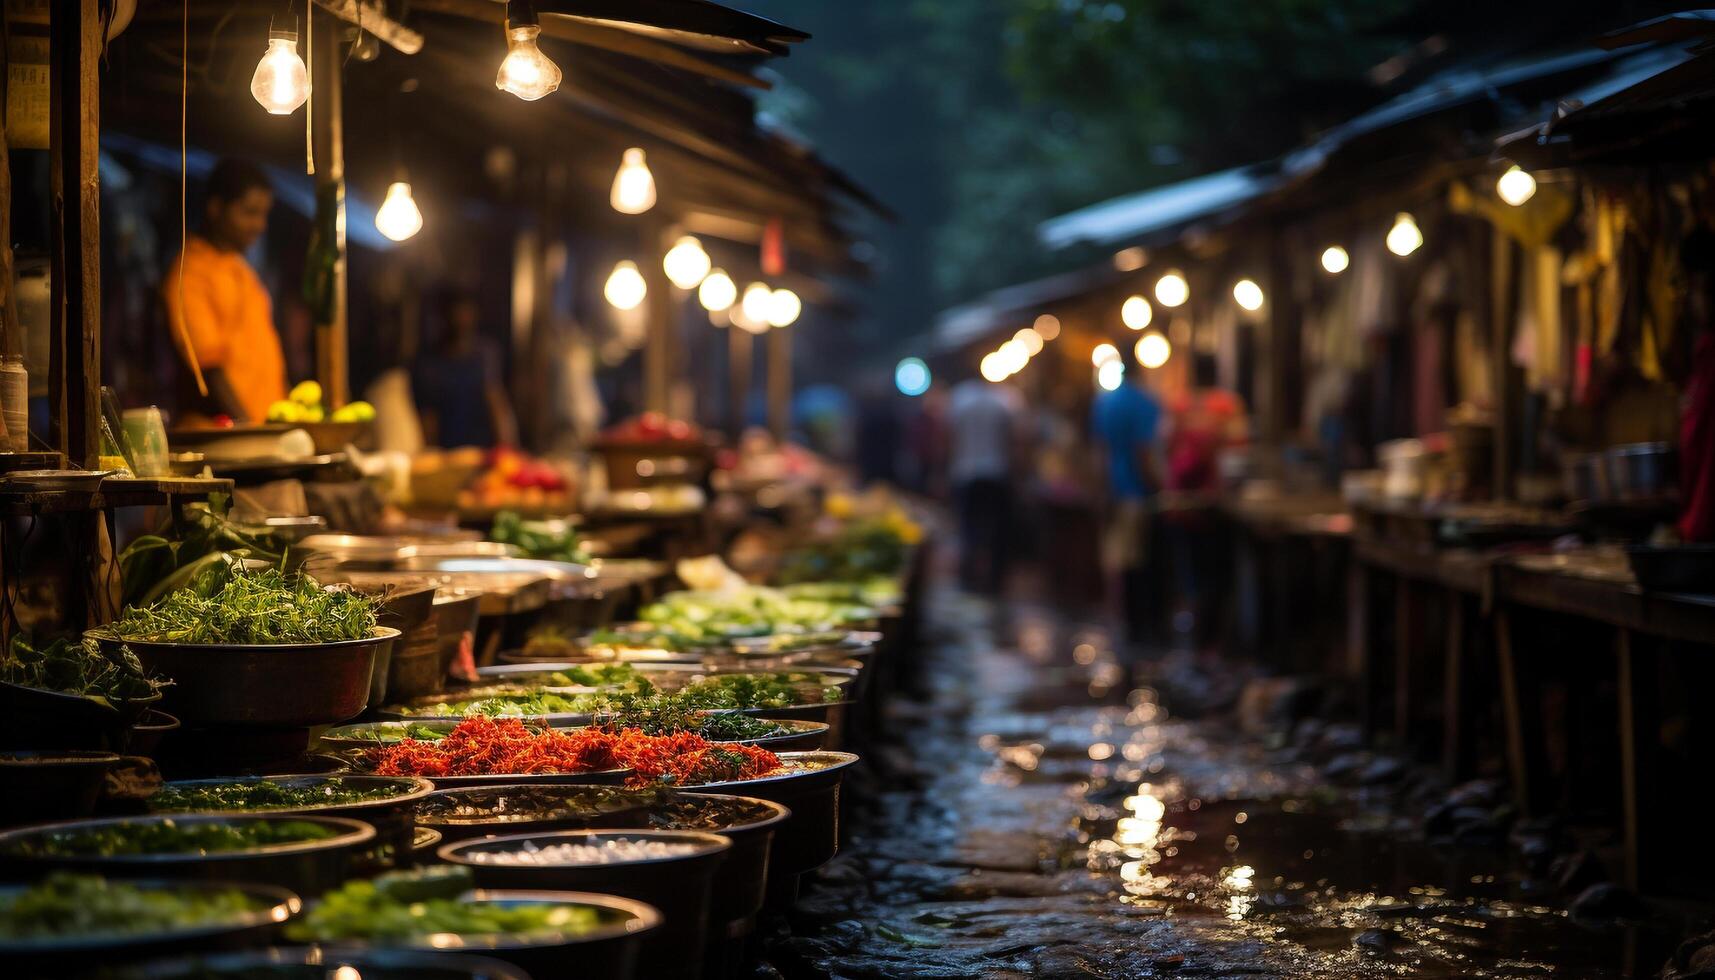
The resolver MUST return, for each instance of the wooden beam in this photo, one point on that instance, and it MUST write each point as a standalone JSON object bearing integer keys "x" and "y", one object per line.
{"x": 658, "y": 346}
{"x": 74, "y": 382}
{"x": 372, "y": 17}
{"x": 328, "y": 122}
{"x": 780, "y": 382}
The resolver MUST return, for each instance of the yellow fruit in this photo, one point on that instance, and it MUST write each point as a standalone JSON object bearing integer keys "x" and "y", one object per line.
{"x": 311, "y": 414}
{"x": 307, "y": 393}
{"x": 285, "y": 411}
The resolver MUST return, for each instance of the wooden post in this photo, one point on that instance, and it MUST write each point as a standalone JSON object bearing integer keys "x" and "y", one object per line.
{"x": 1512, "y": 710}
{"x": 662, "y": 306}
{"x": 1503, "y": 305}
{"x": 780, "y": 382}
{"x": 741, "y": 355}
{"x": 74, "y": 362}
{"x": 327, "y": 108}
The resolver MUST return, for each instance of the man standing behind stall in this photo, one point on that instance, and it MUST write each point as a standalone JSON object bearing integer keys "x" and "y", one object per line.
{"x": 217, "y": 309}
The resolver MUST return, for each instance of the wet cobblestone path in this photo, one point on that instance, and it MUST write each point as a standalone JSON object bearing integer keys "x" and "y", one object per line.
{"x": 1036, "y": 817}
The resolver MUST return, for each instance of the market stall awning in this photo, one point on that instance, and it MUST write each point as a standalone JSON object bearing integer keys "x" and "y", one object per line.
{"x": 1129, "y": 219}
{"x": 1012, "y": 306}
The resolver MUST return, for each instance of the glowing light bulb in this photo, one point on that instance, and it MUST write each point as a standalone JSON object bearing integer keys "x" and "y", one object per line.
{"x": 1335, "y": 260}
{"x": 281, "y": 82}
{"x": 1048, "y": 326}
{"x": 1015, "y": 355}
{"x": 686, "y": 263}
{"x": 1110, "y": 374}
{"x": 993, "y": 368}
{"x": 1247, "y": 294}
{"x": 1152, "y": 350}
{"x": 1404, "y": 237}
{"x": 398, "y": 217}
{"x": 911, "y": 376}
{"x": 1136, "y": 312}
{"x": 1516, "y": 186}
{"x": 718, "y": 292}
{"x": 525, "y": 71}
{"x": 758, "y": 300}
{"x": 1103, "y": 354}
{"x": 1031, "y": 340}
{"x": 633, "y": 185}
{"x": 625, "y": 287}
{"x": 1172, "y": 290}
{"x": 783, "y": 308}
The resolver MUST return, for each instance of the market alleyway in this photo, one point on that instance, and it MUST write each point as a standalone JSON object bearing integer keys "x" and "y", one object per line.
{"x": 1034, "y": 818}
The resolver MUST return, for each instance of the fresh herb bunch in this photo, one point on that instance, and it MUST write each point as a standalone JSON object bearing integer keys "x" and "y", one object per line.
{"x": 774, "y": 690}
{"x": 257, "y": 794}
{"x": 78, "y": 667}
{"x": 227, "y": 604}
{"x": 668, "y": 714}
{"x": 65, "y": 905}
{"x": 547, "y": 540}
{"x": 168, "y": 836}
{"x": 153, "y": 565}
{"x": 405, "y": 905}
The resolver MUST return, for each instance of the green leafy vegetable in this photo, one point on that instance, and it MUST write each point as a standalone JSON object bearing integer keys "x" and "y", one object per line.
{"x": 266, "y": 794}
{"x": 228, "y": 604}
{"x": 547, "y": 540}
{"x": 405, "y": 906}
{"x": 78, "y": 667}
{"x": 70, "y": 905}
{"x": 167, "y": 836}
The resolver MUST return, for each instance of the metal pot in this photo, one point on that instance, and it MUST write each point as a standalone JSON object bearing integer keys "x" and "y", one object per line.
{"x": 1642, "y": 470}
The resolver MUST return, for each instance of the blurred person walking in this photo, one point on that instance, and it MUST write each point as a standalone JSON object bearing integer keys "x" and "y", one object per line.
{"x": 1126, "y": 423}
{"x": 983, "y": 424}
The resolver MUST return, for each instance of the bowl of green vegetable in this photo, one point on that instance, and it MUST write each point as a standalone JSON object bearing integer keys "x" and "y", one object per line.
{"x": 256, "y": 648}
{"x": 320, "y": 963}
{"x": 550, "y": 934}
{"x": 51, "y": 784}
{"x": 672, "y": 870}
{"x": 307, "y": 854}
{"x": 71, "y": 922}
{"x": 69, "y": 694}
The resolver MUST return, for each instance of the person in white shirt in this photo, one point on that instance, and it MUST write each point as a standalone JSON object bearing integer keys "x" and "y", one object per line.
{"x": 983, "y": 421}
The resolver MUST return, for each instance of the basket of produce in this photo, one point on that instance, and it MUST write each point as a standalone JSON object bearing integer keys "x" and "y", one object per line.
{"x": 672, "y": 870}
{"x": 256, "y": 648}
{"x": 51, "y": 784}
{"x": 751, "y": 824}
{"x": 319, "y": 963}
{"x": 548, "y": 934}
{"x": 307, "y": 854}
{"x": 69, "y": 694}
{"x": 67, "y": 923}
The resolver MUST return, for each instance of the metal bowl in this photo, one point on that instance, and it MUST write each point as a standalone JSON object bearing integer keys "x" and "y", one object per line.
{"x": 678, "y": 886}
{"x": 68, "y": 955}
{"x": 51, "y": 784}
{"x": 609, "y": 951}
{"x": 284, "y": 685}
{"x": 811, "y": 837}
{"x": 306, "y": 867}
{"x": 362, "y": 735}
{"x": 320, "y": 963}
{"x": 145, "y": 737}
{"x": 411, "y": 789}
{"x": 37, "y": 718}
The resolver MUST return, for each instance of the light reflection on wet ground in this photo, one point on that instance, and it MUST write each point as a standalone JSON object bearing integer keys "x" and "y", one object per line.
{"x": 1047, "y": 822}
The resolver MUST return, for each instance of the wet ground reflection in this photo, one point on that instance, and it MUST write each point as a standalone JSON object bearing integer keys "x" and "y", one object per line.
{"x": 1043, "y": 821}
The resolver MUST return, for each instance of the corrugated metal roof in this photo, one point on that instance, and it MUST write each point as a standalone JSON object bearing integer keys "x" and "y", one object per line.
{"x": 1134, "y": 216}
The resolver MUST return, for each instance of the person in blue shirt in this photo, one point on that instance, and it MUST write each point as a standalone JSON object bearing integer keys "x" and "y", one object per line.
{"x": 1126, "y": 423}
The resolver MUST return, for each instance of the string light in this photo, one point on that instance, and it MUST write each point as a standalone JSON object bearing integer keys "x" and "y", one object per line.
{"x": 1103, "y": 354}
{"x": 1171, "y": 290}
{"x": 1516, "y": 186}
{"x": 1247, "y": 294}
{"x": 1335, "y": 260}
{"x": 633, "y": 185}
{"x": 993, "y": 369}
{"x": 1109, "y": 374}
{"x": 1152, "y": 350}
{"x": 281, "y": 83}
{"x": 525, "y": 71}
{"x": 686, "y": 263}
{"x": 911, "y": 376}
{"x": 1404, "y": 237}
{"x": 1031, "y": 340}
{"x": 718, "y": 291}
{"x": 1136, "y": 312}
{"x": 625, "y": 287}
{"x": 398, "y": 217}
{"x": 1047, "y": 326}
{"x": 758, "y": 300}
{"x": 783, "y": 308}
{"x": 1014, "y": 355}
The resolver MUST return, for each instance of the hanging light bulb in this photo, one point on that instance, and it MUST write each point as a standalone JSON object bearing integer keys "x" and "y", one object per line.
{"x": 1172, "y": 290}
{"x": 281, "y": 82}
{"x": 993, "y": 368}
{"x": 1516, "y": 186}
{"x": 1136, "y": 312}
{"x": 784, "y": 307}
{"x": 1404, "y": 237}
{"x": 758, "y": 300}
{"x": 1031, "y": 340}
{"x": 717, "y": 291}
{"x": 1110, "y": 374}
{"x": 633, "y": 185}
{"x": 525, "y": 71}
{"x": 1103, "y": 354}
{"x": 1047, "y": 326}
{"x": 686, "y": 263}
{"x": 1335, "y": 260}
{"x": 1152, "y": 350}
{"x": 625, "y": 287}
{"x": 1247, "y": 294}
{"x": 398, "y": 217}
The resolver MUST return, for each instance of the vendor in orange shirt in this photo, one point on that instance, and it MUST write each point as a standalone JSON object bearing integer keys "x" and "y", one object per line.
{"x": 217, "y": 306}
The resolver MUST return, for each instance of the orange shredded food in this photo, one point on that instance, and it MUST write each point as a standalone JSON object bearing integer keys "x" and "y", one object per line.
{"x": 487, "y": 746}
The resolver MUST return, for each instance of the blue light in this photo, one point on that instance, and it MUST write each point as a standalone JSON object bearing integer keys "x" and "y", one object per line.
{"x": 911, "y": 376}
